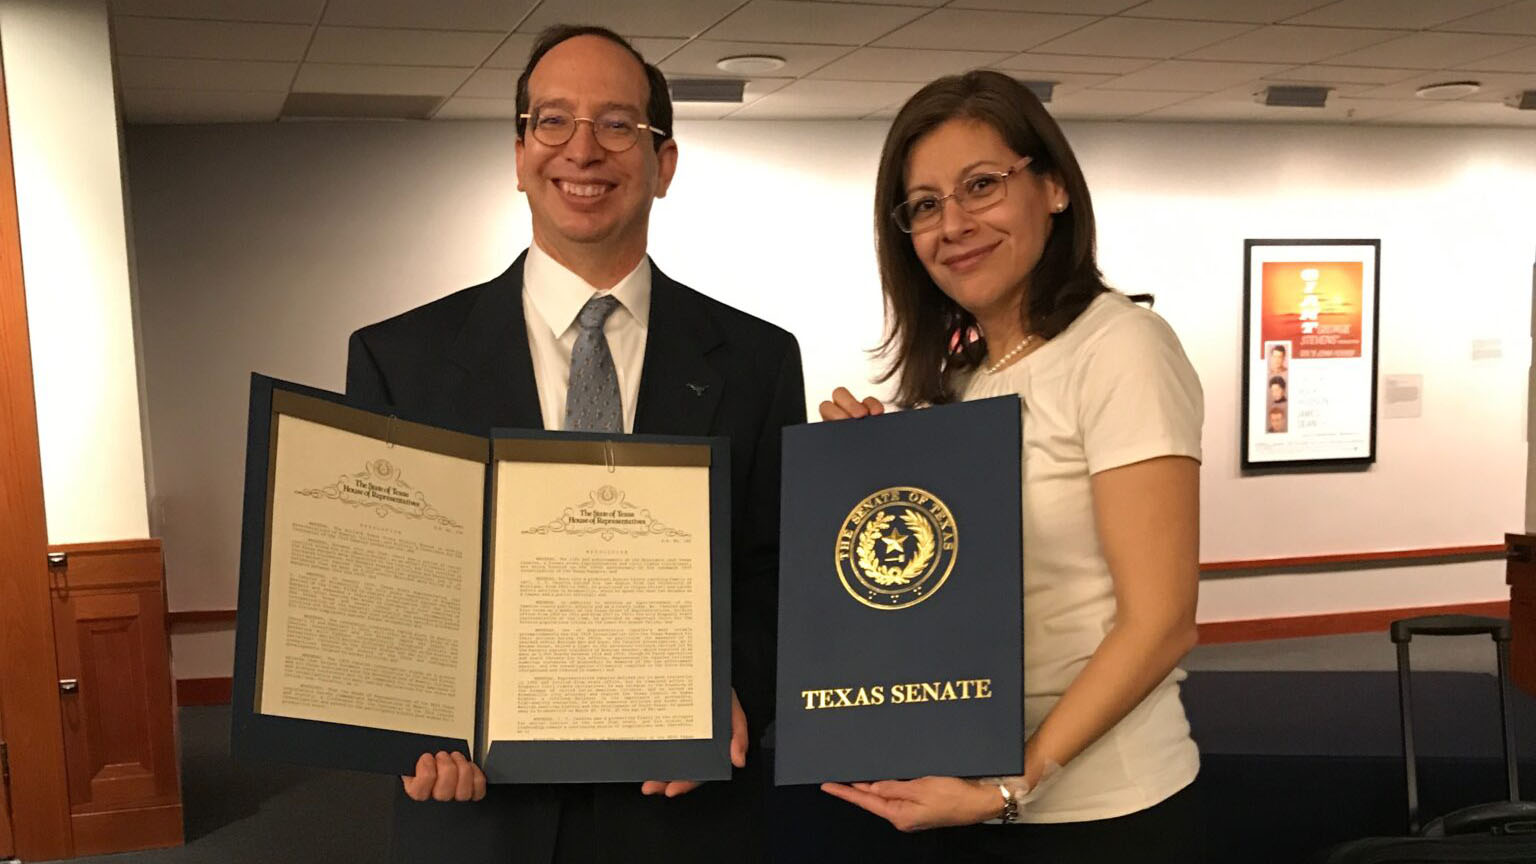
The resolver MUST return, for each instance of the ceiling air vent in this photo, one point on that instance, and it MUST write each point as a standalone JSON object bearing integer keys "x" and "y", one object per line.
{"x": 1293, "y": 96}
{"x": 1525, "y": 101}
{"x": 1043, "y": 90}
{"x": 708, "y": 89}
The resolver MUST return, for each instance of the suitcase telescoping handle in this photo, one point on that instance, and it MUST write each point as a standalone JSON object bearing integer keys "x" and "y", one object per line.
{"x": 1403, "y": 632}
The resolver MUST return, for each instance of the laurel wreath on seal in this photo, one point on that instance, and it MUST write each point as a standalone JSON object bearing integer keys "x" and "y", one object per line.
{"x": 887, "y": 575}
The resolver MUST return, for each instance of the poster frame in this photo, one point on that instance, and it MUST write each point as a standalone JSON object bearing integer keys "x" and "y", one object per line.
{"x": 1364, "y": 250}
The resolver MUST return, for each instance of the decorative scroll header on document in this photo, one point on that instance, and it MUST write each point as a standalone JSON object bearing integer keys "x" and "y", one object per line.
{"x": 607, "y": 513}
{"x": 379, "y": 486}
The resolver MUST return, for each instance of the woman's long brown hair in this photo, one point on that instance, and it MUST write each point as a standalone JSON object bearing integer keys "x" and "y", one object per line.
{"x": 929, "y": 338}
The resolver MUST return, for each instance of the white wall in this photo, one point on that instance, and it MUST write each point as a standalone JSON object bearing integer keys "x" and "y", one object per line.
{"x": 261, "y": 247}
{"x": 64, "y": 139}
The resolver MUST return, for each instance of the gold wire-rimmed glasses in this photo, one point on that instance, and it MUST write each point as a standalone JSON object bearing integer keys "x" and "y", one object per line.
{"x": 615, "y": 131}
{"x": 974, "y": 194}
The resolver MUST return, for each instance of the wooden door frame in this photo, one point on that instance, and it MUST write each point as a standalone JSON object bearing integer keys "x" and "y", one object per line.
{"x": 7, "y": 836}
{"x": 29, "y": 691}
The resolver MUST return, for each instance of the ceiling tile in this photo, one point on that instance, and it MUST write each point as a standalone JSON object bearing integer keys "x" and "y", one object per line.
{"x": 819, "y": 23}
{"x": 490, "y": 84}
{"x": 1079, "y": 7}
{"x": 401, "y": 47}
{"x": 1066, "y": 82}
{"x": 1074, "y": 63}
{"x": 500, "y": 15}
{"x": 217, "y": 40}
{"x": 685, "y": 18}
{"x": 928, "y": 3}
{"x": 1239, "y": 106}
{"x": 1403, "y": 14}
{"x": 1142, "y": 37}
{"x": 699, "y": 57}
{"x": 844, "y": 98}
{"x": 1500, "y": 86}
{"x": 1111, "y": 104}
{"x": 179, "y": 73}
{"x": 1495, "y": 86}
{"x": 1367, "y": 110}
{"x": 275, "y": 11}
{"x": 1514, "y": 18}
{"x": 1429, "y": 51}
{"x": 513, "y": 53}
{"x": 704, "y": 110}
{"x": 905, "y": 64}
{"x": 655, "y": 49}
{"x": 1324, "y": 74}
{"x": 1291, "y": 44}
{"x": 198, "y": 106}
{"x": 1193, "y": 75}
{"x": 1464, "y": 114}
{"x": 969, "y": 30}
{"x": 1519, "y": 60}
{"x": 467, "y": 108}
{"x": 1247, "y": 11}
{"x": 774, "y": 110}
{"x": 1335, "y": 89}
{"x": 395, "y": 80}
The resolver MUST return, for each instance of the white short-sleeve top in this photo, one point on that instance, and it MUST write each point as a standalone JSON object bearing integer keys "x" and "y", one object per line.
{"x": 1113, "y": 388}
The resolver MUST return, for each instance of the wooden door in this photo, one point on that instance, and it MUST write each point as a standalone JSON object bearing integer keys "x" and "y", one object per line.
{"x": 39, "y": 794}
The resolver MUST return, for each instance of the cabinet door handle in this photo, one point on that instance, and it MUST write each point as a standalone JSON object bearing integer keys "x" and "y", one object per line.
{"x": 69, "y": 685}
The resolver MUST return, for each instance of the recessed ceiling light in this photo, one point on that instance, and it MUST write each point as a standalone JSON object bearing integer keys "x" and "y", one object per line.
{"x": 750, "y": 64}
{"x": 1448, "y": 90}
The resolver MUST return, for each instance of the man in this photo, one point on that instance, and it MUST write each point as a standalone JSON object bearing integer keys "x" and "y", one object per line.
{"x": 585, "y": 305}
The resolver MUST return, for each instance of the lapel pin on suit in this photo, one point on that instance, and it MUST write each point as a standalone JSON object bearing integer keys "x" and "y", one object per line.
{"x": 698, "y": 389}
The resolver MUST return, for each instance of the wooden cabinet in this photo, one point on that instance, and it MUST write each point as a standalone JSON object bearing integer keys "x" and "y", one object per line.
{"x": 1520, "y": 573}
{"x": 116, "y": 698}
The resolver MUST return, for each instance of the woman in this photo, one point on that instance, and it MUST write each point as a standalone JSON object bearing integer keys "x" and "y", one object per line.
{"x": 985, "y": 236}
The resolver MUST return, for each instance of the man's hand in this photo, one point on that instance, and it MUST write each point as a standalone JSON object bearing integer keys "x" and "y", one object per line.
{"x": 842, "y": 406}
{"x": 445, "y": 777}
{"x": 927, "y": 802}
{"x": 674, "y": 788}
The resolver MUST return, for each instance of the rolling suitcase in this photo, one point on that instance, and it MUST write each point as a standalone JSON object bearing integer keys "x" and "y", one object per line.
{"x": 1497, "y": 832}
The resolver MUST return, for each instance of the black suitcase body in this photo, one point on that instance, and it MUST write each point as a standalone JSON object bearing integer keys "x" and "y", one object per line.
{"x": 1500, "y": 832}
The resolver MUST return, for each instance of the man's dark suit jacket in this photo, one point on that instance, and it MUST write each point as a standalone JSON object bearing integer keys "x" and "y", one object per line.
{"x": 464, "y": 362}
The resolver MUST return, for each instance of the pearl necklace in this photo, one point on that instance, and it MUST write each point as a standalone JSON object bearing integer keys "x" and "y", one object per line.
{"x": 1029, "y": 339}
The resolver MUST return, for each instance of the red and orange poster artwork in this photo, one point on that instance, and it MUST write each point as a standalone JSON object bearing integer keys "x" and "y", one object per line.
{"x": 1314, "y": 305}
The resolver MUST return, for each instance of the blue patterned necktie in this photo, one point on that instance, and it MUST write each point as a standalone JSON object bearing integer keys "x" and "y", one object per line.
{"x": 592, "y": 401}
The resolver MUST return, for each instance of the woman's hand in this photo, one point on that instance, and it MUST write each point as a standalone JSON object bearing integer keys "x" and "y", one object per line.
{"x": 445, "y": 777}
{"x": 842, "y": 406}
{"x": 927, "y": 802}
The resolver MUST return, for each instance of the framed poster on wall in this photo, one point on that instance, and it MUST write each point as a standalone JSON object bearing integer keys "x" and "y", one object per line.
{"x": 1309, "y": 353}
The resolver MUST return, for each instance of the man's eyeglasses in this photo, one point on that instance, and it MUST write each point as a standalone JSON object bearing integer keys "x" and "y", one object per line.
{"x": 974, "y": 194}
{"x": 615, "y": 131}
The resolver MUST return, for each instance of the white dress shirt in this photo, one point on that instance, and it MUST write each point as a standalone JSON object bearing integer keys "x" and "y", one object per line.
{"x": 552, "y": 298}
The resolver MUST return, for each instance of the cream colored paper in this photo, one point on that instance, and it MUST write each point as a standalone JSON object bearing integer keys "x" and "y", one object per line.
{"x": 600, "y": 617}
{"x": 373, "y": 590}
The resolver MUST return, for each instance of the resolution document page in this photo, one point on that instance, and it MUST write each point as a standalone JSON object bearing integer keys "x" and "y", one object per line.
{"x": 372, "y": 595}
{"x": 600, "y": 603}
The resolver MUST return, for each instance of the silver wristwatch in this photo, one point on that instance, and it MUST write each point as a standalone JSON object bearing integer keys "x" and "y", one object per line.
{"x": 1010, "y": 806}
